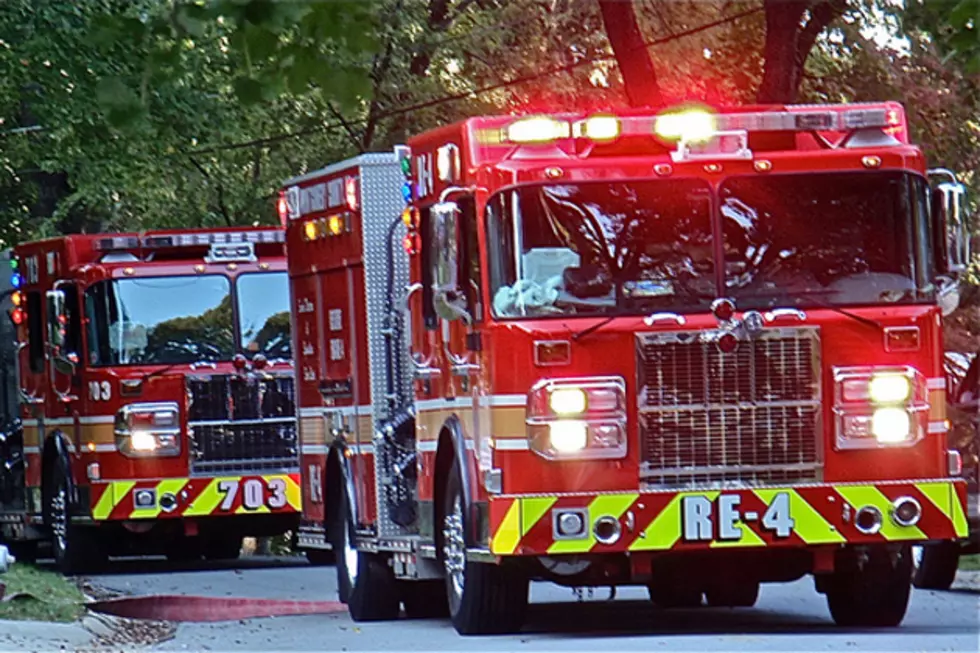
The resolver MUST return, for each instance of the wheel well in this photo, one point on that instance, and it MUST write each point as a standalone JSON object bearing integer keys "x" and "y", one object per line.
{"x": 49, "y": 457}
{"x": 332, "y": 487}
{"x": 445, "y": 456}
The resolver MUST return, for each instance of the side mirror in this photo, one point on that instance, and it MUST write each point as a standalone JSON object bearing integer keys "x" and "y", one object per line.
{"x": 948, "y": 199}
{"x": 449, "y": 300}
{"x": 57, "y": 320}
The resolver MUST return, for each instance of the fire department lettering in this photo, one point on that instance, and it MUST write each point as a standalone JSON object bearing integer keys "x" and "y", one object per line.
{"x": 255, "y": 493}
{"x": 703, "y": 520}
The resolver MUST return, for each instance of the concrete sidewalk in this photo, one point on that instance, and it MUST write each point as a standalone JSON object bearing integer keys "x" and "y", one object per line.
{"x": 43, "y": 636}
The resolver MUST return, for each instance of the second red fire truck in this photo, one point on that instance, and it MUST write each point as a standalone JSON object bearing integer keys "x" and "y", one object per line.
{"x": 693, "y": 350}
{"x": 148, "y": 400}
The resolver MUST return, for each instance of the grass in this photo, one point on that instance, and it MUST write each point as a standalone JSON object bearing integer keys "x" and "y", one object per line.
{"x": 970, "y": 563}
{"x": 49, "y": 596}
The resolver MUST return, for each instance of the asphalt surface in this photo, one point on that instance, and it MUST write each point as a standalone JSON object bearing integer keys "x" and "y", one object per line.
{"x": 787, "y": 617}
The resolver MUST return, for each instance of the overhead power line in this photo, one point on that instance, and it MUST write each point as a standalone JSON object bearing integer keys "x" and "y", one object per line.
{"x": 455, "y": 97}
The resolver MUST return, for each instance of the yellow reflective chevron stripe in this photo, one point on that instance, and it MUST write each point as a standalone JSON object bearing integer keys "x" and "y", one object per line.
{"x": 612, "y": 505}
{"x": 112, "y": 497}
{"x": 508, "y": 534}
{"x": 868, "y": 495}
{"x": 809, "y": 525}
{"x": 208, "y": 501}
{"x": 943, "y": 496}
{"x": 532, "y": 510}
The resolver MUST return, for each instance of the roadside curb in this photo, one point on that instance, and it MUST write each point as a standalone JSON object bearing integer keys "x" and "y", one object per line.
{"x": 967, "y": 580}
{"x": 119, "y": 633}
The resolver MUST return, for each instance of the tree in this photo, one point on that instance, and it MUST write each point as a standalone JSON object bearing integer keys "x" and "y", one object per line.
{"x": 627, "y": 44}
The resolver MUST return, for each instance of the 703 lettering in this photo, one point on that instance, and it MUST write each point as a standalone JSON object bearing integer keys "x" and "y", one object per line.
{"x": 703, "y": 523}
{"x": 254, "y": 493}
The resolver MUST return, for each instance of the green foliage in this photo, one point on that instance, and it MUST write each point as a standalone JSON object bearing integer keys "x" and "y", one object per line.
{"x": 131, "y": 114}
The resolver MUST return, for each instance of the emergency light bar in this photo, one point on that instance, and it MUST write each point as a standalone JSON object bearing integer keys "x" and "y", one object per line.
{"x": 693, "y": 125}
{"x": 207, "y": 238}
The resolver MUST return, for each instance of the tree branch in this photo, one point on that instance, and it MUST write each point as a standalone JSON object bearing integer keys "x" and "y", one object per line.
{"x": 821, "y": 15}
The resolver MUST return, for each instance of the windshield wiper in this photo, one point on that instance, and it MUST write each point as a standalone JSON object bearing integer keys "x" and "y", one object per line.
{"x": 593, "y": 328}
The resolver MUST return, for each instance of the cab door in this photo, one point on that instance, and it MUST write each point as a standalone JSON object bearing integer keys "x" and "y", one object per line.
{"x": 62, "y": 345}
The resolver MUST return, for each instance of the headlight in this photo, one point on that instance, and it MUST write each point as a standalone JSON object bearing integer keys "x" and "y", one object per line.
{"x": 578, "y": 418}
{"x": 150, "y": 429}
{"x": 889, "y": 388}
{"x": 878, "y": 407}
{"x": 891, "y": 425}
{"x": 568, "y": 401}
{"x": 568, "y": 436}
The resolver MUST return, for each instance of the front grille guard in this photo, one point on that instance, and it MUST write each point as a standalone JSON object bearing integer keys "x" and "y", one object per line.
{"x": 242, "y": 425}
{"x": 749, "y": 418}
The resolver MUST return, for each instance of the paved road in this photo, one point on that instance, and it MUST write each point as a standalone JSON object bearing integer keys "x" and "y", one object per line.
{"x": 787, "y": 617}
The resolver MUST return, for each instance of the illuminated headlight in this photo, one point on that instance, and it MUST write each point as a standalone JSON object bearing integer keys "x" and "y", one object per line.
{"x": 568, "y": 401}
{"x": 891, "y": 425}
{"x": 568, "y": 436}
{"x": 889, "y": 388}
{"x": 148, "y": 429}
{"x": 578, "y": 418}
{"x": 880, "y": 406}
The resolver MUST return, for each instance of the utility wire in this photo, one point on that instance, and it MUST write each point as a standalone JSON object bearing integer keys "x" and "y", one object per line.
{"x": 445, "y": 99}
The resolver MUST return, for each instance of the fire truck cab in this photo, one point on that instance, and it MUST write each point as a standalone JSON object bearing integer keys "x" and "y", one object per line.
{"x": 694, "y": 350}
{"x": 148, "y": 395}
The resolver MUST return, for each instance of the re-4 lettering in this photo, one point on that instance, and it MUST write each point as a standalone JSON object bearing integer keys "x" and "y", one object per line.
{"x": 724, "y": 520}
{"x": 254, "y": 493}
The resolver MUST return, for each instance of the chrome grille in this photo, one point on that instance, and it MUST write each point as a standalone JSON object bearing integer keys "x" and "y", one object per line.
{"x": 750, "y": 417}
{"x": 242, "y": 424}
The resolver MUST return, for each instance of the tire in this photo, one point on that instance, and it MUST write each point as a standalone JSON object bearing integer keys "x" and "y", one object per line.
{"x": 876, "y": 595}
{"x": 936, "y": 568}
{"x": 75, "y": 548}
{"x": 424, "y": 599}
{"x": 483, "y": 598}
{"x": 365, "y": 581}
{"x": 221, "y": 547}
{"x": 319, "y": 557}
{"x": 670, "y": 595}
{"x": 737, "y": 594}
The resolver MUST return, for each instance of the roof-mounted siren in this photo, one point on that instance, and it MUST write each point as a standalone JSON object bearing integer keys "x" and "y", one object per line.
{"x": 953, "y": 252}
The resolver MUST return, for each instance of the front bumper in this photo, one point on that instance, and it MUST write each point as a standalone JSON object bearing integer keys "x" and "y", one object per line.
{"x": 173, "y": 498}
{"x": 800, "y": 516}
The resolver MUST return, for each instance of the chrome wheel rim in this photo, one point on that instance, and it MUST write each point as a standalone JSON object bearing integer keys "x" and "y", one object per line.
{"x": 454, "y": 548}
{"x": 350, "y": 557}
{"x": 59, "y": 519}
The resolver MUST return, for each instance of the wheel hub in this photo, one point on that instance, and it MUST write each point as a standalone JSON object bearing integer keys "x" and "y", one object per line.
{"x": 59, "y": 518}
{"x": 454, "y": 547}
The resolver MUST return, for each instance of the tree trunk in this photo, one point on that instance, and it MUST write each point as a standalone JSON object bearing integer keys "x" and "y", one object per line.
{"x": 789, "y": 42}
{"x": 635, "y": 65}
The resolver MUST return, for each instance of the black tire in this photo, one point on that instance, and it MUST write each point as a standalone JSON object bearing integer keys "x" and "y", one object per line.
{"x": 674, "y": 595}
{"x": 424, "y": 599}
{"x": 876, "y": 595}
{"x": 370, "y": 592}
{"x": 75, "y": 548}
{"x": 221, "y": 546}
{"x": 483, "y": 598}
{"x": 936, "y": 569}
{"x": 738, "y": 594}
{"x": 319, "y": 557}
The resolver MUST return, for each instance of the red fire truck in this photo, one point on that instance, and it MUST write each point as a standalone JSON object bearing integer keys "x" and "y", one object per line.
{"x": 148, "y": 399}
{"x": 695, "y": 350}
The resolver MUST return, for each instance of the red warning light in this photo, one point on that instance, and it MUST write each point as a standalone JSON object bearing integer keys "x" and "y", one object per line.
{"x": 17, "y": 316}
{"x": 412, "y": 243}
{"x": 283, "y": 209}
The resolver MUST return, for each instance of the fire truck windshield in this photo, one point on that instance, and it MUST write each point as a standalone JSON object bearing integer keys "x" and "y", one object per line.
{"x": 607, "y": 248}
{"x": 601, "y": 247}
{"x": 835, "y": 238}
{"x": 160, "y": 320}
{"x": 263, "y": 314}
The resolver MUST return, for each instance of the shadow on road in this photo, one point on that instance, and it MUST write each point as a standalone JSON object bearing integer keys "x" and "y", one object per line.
{"x": 638, "y": 618}
{"x": 160, "y": 565}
